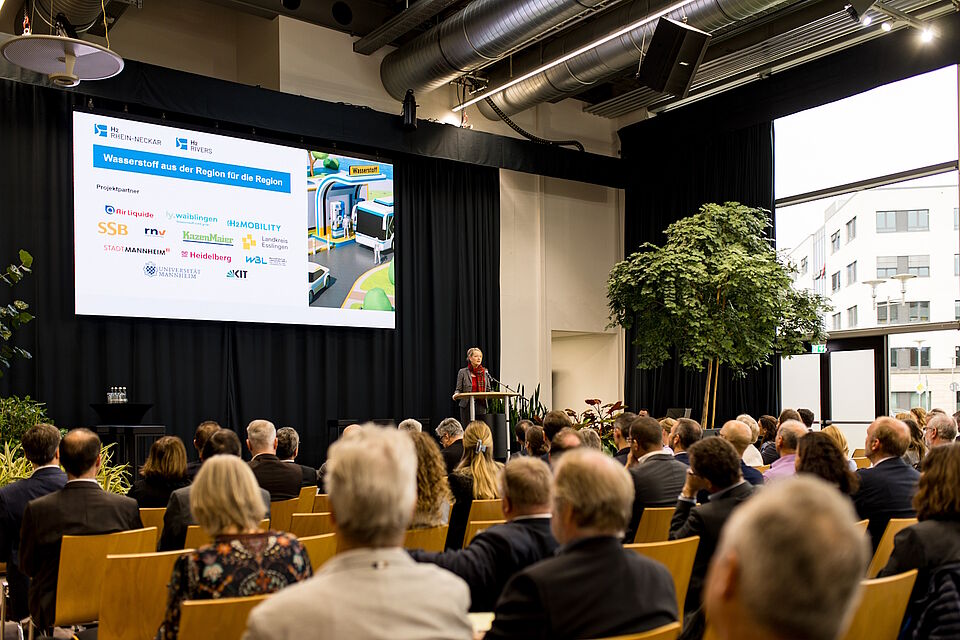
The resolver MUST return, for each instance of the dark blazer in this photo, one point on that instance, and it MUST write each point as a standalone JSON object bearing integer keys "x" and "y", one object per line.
{"x": 768, "y": 451}
{"x": 465, "y": 385}
{"x": 683, "y": 457}
{"x": 452, "y": 454}
{"x": 705, "y": 520}
{"x": 886, "y": 491}
{"x": 177, "y": 518}
{"x": 750, "y": 474}
{"x": 657, "y": 481}
{"x": 494, "y": 555}
{"x": 622, "y": 455}
{"x": 154, "y": 492}
{"x": 593, "y": 588}
{"x": 80, "y": 508}
{"x": 281, "y": 479}
{"x": 192, "y": 469}
{"x": 461, "y": 486}
{"x": 310, "y": 476}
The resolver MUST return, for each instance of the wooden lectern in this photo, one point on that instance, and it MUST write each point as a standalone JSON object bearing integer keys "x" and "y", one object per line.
{"x": 490, "y": 395}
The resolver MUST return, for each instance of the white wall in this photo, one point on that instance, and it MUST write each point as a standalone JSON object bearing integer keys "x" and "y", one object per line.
{"x": 585, "y": 365}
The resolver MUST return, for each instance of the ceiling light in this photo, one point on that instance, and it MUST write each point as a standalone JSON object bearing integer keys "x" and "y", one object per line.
{"x": 886, "y": 26}
{"x": 866, "y": 20}
{"x": 926, "y": 35}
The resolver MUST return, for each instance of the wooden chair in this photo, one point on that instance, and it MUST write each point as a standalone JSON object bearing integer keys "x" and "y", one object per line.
{"x": 223, "y": 618}
{"x": 654, "y": 524}
{"x": 882, "y": 604}
{"x": 486, "y": 510}
{"x": 862, "y": 463}
{"x": 475, "y": 527}
{"x": 307, "y": 496}
{"x": 859, "y": 453}
{"x": 885, "y": 548}
{"x": 134, "y": 594}
{"x": 762, "y": 468}
{"x": 311, "y": 524}
{"x": 153, "y": 517}
{"x": 321, "y": 503}
{"x": 666, "y": 632}
{"x": 281, "y": 512}
{"x": 677, "y": 556}
{"x": 863, "y": 524}
{"x": 432, "y": 539}
{"x": 320, "y": 548}
{"x": 197, "y": 537}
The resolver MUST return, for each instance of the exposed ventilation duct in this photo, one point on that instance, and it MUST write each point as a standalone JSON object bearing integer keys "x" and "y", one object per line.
{"x": 614, "y": 56}
{"x": 82, "y": 14}
{"x": 483, "y": 31}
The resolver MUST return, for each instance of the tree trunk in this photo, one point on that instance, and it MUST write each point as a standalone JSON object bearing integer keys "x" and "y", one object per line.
{"x": 706, "y": 394}
{"x": 716, "y": 383}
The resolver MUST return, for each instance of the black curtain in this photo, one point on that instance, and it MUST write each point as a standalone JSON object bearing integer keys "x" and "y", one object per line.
{"x": 306, "y": 377}
{"x": 679, "y": 174}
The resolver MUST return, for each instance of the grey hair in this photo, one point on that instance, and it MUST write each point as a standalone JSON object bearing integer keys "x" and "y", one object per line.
{"x": 809, "y": 533}
{"x": 945, "y": 426}
{"x": 449, "y": 427}
{"x": 597, "y": 488}
{"x": 591, "y": 439}
{"x": 410, "y": 425}
{"x": 261, "y": 434}
{"x": 288, "y": 441}
{"x": 790, "y": 433}
{"x": 748, "y": 420}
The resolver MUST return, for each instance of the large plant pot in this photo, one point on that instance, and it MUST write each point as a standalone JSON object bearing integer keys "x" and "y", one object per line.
{"x": 498, "y": 427}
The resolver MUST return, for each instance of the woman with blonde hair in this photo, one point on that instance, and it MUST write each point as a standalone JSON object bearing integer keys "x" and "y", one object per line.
{"x": 433, "y": 491}
{"x": 164, "y": 471}
{"x": 841, "y": 441}
{"x": 242, "y": 561}
{"x": 917, "y": 447}
{"x": 475, "y": 478}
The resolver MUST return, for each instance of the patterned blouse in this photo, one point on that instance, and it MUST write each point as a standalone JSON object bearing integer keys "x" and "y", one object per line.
{"x": 234, "y": 566}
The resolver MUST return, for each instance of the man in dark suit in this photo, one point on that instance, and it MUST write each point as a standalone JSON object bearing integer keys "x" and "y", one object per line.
{"x": 497, "y": 553}
{"x": 682, "y": 437}
{"x": 887, "y": 487}
{"x": 178, "y": 517}
{"x": 450, "y": 432}
{"x": 621, "y": 435}
{"x": 714, "y": 467}
{"x": 657, "y": 476}
{"x": 282, "y": 480}
{"x": 740, "y": 436}
{"x": 80, "y": 508}
{"x": 41, "y": 447}
{"x": 592, "y": 588}
{"x": 204, "y": 430}
{"x": 288, "y": 448}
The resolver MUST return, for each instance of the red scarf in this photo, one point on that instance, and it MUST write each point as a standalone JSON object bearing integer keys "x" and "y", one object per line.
{"x": 478, "y": 378}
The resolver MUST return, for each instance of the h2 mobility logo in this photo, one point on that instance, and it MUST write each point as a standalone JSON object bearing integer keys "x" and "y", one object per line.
{"x": 151, "y": 270}
{"x": 256, "y": 226}
{"x": 190, "y": 218}
{"x": 207, "y": 238}
{"x": 248, "y": 242}
{"x": 111, "y": 210}
{"x": 100, "y": 130}
{"x": 237, "y": 274}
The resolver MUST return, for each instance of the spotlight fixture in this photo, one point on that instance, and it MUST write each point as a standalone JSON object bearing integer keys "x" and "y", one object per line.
{"x": 886, "y": 26}
{"x": 866, "y": 21}
{"x": 926, "y": 31}
{"x": 290, "y": 5}
{"x": 857, "y": 9}
{"x": 926, "y": 35}
{"x": 409, "y": 111}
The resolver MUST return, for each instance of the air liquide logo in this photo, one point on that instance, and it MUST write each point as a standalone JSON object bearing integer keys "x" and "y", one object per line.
{"x": 109, "y": 209}
{"x": 100, "y": 130}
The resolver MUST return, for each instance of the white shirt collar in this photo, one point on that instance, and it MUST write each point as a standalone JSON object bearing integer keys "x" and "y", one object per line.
{"x": 93, "y": 480}
{"x": 881, "y": 460}
{"x": 533, "y": 515}
{"x": 52, "y": 465}
{"x": 647, "y": 456}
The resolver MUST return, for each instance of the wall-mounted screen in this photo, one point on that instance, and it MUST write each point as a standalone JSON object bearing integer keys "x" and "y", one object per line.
{"x": 182, "y": 224}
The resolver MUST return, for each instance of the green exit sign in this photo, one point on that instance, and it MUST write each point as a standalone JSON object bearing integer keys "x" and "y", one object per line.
{"x": 818, "y": 348}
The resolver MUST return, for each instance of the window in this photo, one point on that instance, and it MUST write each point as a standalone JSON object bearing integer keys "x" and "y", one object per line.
{"x": 835, "y": 242}
{"x": 835, "y": 282}
{"x": 956, "y": 356}
{"x": 903, "y": 220}
{"x": 919, "y": 266}
{"x": 803, "y": 266}
{"x": 905, "y": 358}
{"x": 851, "y": 273}
{"x": 956, "y": 264}
{"x": 918, "y": 312}
{"x": 886, "y": 267}
{"x": 889, "y": 266}
{"x": 902, "y": 401}
{"x": 836, "y": 322}
{"x": 918, "y": 220}
{"x": 956, "y": 309}
{"x": 956, "y": 219}
{"x": 852, "y": 317}
{"x": 851, "y": 229}
{"x": 894, "y": 359}
{"x": 888, "y": 313}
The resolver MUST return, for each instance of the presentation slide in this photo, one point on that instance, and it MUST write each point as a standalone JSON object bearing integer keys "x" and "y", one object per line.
{"x": 175, "y": 223}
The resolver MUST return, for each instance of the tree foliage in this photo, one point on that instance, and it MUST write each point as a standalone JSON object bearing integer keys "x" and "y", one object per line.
{"x": 14, "y": 315}
{"x": 716, "y": 291}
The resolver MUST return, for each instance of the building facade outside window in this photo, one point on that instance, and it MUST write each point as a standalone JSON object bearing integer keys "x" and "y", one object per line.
{"x": 851, "y": 229}
{"x": 851, "y": 317}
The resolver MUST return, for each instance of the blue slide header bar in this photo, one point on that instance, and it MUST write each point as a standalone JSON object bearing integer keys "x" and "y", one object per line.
{"x": 159, "y": 164}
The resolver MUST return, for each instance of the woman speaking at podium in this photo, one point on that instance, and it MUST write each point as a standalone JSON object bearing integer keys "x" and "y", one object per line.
{"x": 473, "y": 378}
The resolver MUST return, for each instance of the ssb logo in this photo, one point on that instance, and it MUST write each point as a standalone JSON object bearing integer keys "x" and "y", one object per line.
{"x": 112, "y": 228}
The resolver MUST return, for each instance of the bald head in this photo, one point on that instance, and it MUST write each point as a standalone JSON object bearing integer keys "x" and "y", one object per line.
{"x": 788, "y": 436}
{"x": 80, "y": 453}
{"x": 353, "y": 428}
{"x": 738, "y": 434}
{"x": 886, "y": 437}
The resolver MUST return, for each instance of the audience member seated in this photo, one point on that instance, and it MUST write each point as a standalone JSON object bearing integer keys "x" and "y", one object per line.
{"x": 518, "y": 444}
{"x": 204, "y": 430}
{"x": 590, "y": 438}
{"x": 537, "y": 443}
{"x": 322, "y": 471}
{"x": 288, "y": 448}
{"x": 918, "y": 444}
{"x": 685, "y": 433}
{"x": 40, "y": 445}
{"x": 657, "y": 476}
{"x": 164, "y": 472}
{"x": 497, "y": 553}
{"x": 920, "y": 414}
{"x": 788, "y": 438}
{"x": 566, "y": 439}
{"x": 80, "y": 508}
{"x": 768, "y": 438}
{"x": 621, "y": 435}
{"x": 434, "y": 499}
{"x": 372, "y": 589}
{"x": 739, "y": 435}
{"x": 941, "y": 429}
{"x": 410, "y": 425}
{"x": 450, "y": 432}
{"x": 888, "y": 486}
{"x": 806, "y": 417}
{"x": 475, "y": 478}
{"x": 817, "y": 454}
{"x": 178, "y": 516}
{"x": 751, "y": 455}
{"x": 666, "y": 426}
{"x": 242, "y": 561}
{"x": 935, "y": 540}
{"x": 799, "y": 528}
{"x": 593, "y": 588}
{"x": 280, "y": 479}
{"x": 553, "y": 422}
{"x": 714, "y": 467}
{"x": 836, "y": 436}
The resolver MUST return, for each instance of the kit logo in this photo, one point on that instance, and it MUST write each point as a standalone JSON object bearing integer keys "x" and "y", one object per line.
{"x": 154, "y": 232}
{"x": 248, "y": 242}
{"x": 100, "y": 130}
{"x": 112, "y": 228}
{"x": 237, "y": 274}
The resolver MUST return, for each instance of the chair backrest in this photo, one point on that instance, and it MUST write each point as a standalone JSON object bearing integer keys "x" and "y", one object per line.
{"x": 134, "y": 594}
{"x": 862, "y": 463}
{"x": 677, "y": 556}
{"x": 763, "y": 468}
{"x": 654, "y": 524}
{"x": 882, "y": 555}
{"x": 883, "y": 602}
{"x": 475, "y": 527}
{"x": 486, "y": 510}
{"x": 311, "y": 524}
{"x": 307, "y": 496}
{"x": 223, "y": 618}
{"x": 83, "y": 560}
{"x": 197, "y": 537}
{"x": 321, "y": 503}
{"x": 666, "y": 632}
{"x": 153, "y": 517}
{"x": 320, "y": 548}
{"x": 859, "y": 453}
{"x": 431, "y": 539}
{"x": 863, "y": 524}
{"x": 280, "y": 513}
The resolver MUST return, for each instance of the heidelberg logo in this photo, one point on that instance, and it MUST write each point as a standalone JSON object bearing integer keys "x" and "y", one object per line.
{"x": 237, "y": 274}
